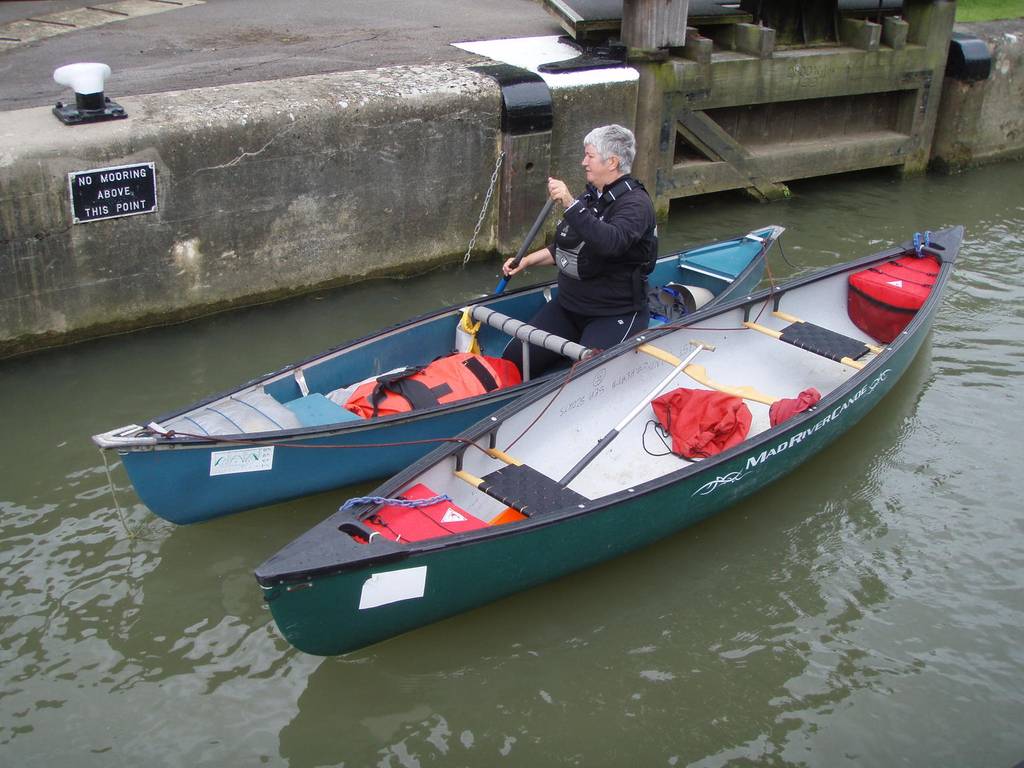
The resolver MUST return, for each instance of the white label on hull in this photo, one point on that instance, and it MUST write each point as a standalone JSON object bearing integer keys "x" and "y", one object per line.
{"x": 392, "y": 586}
{"x": 255, "y": 459}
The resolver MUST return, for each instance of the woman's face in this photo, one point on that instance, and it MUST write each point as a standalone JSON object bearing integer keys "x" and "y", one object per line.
{"x": 600, "y": 172}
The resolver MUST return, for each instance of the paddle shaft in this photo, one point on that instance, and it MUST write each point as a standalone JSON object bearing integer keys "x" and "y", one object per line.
{"x": 526, "y": 243}
{"x": 613, "y": 433}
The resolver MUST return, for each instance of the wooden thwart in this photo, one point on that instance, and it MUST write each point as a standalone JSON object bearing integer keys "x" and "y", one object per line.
{"x": 699, "y": 373}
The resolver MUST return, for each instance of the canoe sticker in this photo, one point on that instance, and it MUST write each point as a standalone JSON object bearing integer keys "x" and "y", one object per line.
{"x": 769, "y": 453}
{"x": 255, "y": 459}
{"x": 393, "y": 586}
{"x": 451, "y": 516}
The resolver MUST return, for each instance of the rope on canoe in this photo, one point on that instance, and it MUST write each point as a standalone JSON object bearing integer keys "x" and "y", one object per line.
{"x": 382, "y": 500}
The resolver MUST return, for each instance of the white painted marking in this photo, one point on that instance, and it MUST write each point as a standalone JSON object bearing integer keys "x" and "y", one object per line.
{"x": 393, "y": 586}
{"x": 530, "y": 52}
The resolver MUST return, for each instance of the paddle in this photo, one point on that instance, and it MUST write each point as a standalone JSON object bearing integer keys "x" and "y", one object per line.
{"x": 526, "y": 243}
{"x": 614, "y": 431}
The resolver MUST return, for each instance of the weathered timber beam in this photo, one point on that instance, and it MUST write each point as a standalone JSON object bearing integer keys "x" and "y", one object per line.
{"x": 653, "y": 24}
{"x": 860, "y": 33}
{"x": 894, "y": 32}
{"x": 708, "y": 137}
{"x": 752, "y": 39}
{"x": 789, "y": 77}
{"x": 793, "y": 160}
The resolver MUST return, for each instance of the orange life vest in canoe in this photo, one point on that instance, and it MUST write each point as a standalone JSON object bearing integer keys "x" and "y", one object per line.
{"x": 445, "y": 380}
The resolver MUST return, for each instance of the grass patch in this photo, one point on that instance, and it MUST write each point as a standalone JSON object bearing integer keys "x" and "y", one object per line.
{"x": 989, "y": 10}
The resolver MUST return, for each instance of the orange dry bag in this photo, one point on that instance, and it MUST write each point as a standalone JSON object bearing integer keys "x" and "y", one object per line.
{"x": 445, "y": 380}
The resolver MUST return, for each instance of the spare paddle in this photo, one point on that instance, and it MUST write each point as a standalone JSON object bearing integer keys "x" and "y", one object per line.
{"x": 526, "y": 243}
{"x": 613, "y": 433}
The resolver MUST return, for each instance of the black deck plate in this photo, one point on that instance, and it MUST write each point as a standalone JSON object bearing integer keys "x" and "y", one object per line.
{"x": 527, "y": 490}
{"x": 822, "y": 341}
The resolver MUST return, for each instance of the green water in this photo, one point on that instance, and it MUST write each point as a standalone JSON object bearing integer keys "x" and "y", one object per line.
{"x": 868, "y": 610}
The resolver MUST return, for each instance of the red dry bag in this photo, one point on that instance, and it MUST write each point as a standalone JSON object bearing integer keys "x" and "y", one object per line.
{"x": 884, "y": 298}
{"x": 702, "y": 422}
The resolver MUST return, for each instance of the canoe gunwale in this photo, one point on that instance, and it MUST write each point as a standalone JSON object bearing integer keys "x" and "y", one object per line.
{"x": 350, "y": 556}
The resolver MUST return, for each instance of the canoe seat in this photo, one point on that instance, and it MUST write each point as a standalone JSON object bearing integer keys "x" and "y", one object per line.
{"x": 820, "y": 341}
{"x": 529, "y": 491}
{"x": 824, "y": 342}
{"x": 315, "y": 410}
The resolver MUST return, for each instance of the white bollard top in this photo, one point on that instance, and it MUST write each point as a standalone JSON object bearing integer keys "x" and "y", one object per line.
{"x": 86, "y": 78}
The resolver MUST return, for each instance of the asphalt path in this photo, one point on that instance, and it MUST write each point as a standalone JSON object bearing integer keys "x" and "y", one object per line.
{"x": 230, "y": 41}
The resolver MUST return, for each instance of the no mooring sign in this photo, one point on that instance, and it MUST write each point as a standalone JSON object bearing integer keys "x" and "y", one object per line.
{"x": 107, "y": 193}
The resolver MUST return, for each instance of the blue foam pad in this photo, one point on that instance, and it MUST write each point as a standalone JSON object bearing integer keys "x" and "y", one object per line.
{"x": 315, "y": 410}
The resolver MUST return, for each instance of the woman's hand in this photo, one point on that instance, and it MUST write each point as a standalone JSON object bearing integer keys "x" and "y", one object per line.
{"x": 508, "y": 270}
{"x": 559, "y": 192}
{"x": 535, "y": 259}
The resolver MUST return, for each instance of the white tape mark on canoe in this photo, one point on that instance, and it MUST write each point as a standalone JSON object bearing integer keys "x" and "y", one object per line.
{"x": 393, "y": 586}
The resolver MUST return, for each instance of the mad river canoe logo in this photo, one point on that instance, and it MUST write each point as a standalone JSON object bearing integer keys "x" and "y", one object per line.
{"x": 769, "y": 453}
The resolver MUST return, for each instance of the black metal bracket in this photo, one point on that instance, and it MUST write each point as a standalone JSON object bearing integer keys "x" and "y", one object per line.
{"x": 525, "y": 99}
{"x": 969, "y": 58}
{"x": 89, "y": 108}
{"x": 599, "y": 56}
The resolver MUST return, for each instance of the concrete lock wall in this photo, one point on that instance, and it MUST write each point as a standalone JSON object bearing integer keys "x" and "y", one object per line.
{"x": 264, "y": 190}
{"x": 983, "y": 121}
{"x": 269, "y": 189}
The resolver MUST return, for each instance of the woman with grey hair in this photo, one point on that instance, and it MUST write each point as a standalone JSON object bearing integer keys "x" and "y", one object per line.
{"x": 604, "y": 248}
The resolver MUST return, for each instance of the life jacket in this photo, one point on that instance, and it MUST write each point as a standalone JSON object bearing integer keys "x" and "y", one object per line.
{"x": 404, "y": 524}
{"x": 571, "y": 255}
{"x": 445, "y": 380}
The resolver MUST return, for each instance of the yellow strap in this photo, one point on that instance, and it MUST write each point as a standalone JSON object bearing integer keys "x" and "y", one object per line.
{"x": 468, "y": 327}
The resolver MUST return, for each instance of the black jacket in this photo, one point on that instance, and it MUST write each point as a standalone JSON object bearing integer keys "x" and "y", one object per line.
{"x": 604, "y": 247}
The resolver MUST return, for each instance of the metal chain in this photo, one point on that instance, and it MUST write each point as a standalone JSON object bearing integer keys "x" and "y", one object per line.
{"x": 483, "y": 210}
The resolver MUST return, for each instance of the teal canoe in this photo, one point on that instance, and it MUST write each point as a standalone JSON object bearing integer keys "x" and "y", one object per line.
{"x": 271, "y": 439}
{"x": 573, "y": 474}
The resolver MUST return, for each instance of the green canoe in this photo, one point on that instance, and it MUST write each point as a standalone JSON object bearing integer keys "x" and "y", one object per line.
{"x": 573, "y": 473}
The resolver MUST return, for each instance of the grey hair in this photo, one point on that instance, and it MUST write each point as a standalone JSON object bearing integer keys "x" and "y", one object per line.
{"x": 615, "y": 140}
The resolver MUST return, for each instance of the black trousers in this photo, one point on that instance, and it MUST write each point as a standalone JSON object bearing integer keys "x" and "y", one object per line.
{"x": 594, "y": 332}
